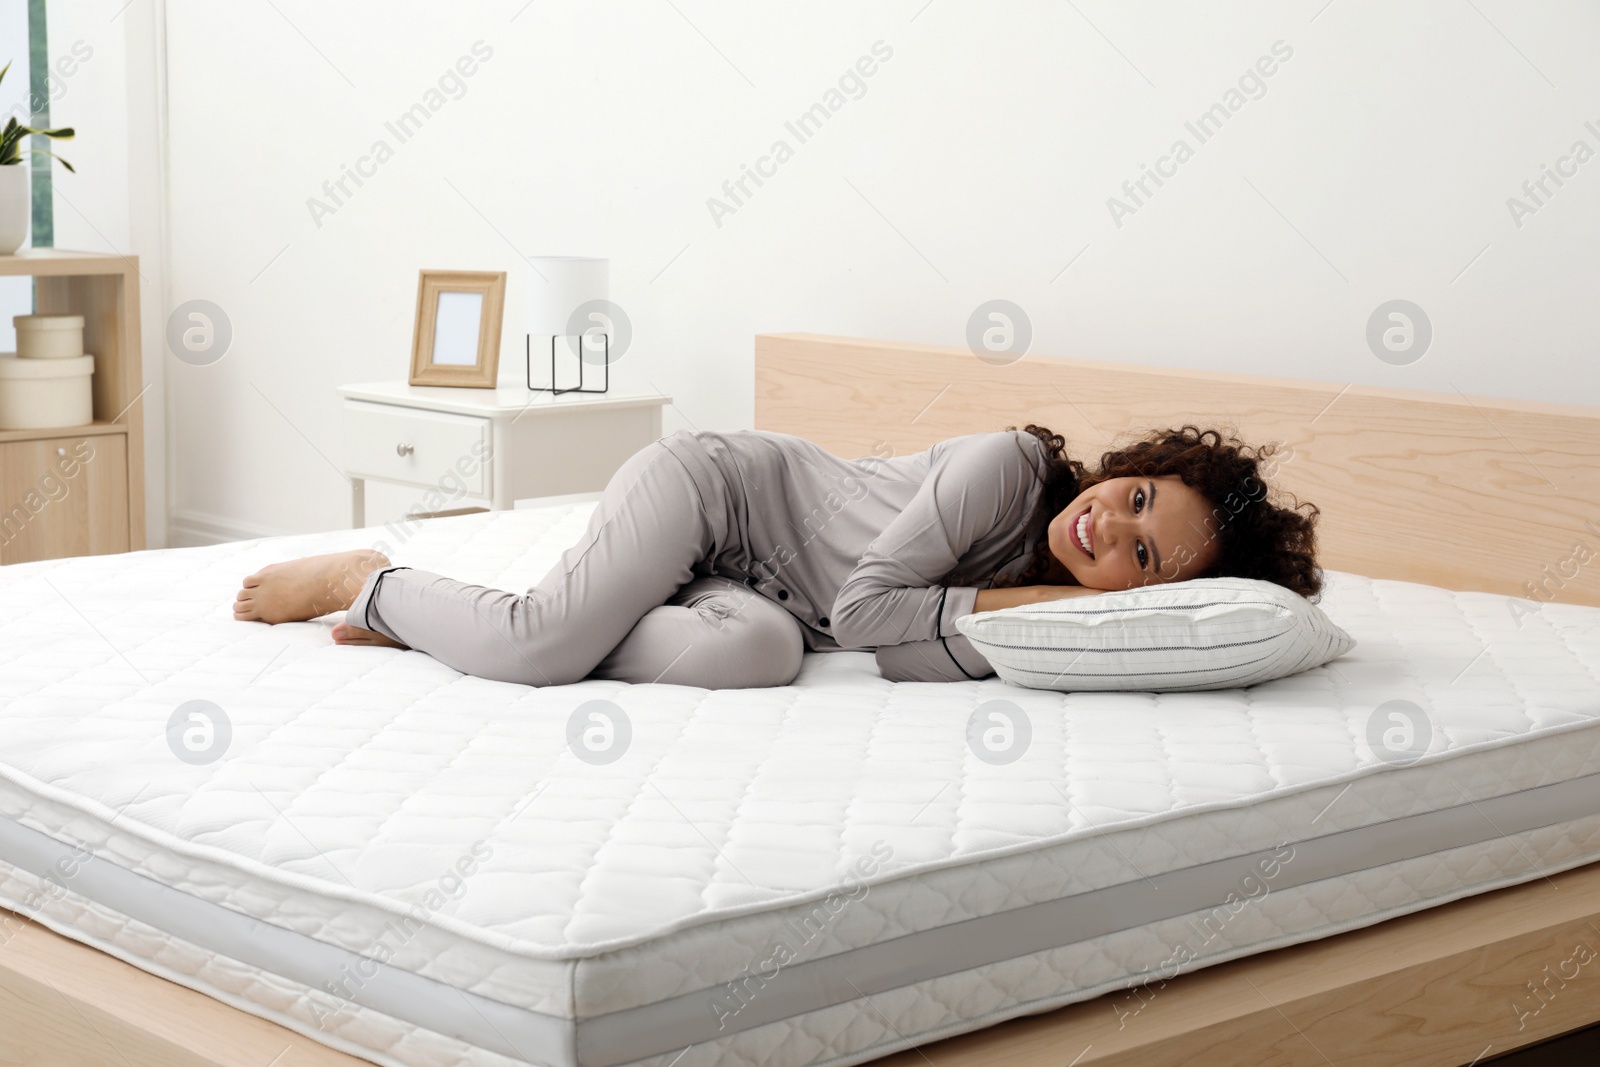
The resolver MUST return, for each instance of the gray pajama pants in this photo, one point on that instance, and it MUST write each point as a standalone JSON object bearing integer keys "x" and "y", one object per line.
{"x": 626, "y": 602}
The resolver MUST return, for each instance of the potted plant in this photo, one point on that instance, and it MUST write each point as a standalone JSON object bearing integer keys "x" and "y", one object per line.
{"x": 14, "y": 177}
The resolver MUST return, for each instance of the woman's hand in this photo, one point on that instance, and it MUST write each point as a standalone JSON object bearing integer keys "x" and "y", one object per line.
{"x": 995, "y": 599}
{"x": 1061, "y": 592}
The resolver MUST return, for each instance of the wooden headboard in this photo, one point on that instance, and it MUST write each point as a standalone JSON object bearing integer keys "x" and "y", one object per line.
{"x": 1456, "y": 491}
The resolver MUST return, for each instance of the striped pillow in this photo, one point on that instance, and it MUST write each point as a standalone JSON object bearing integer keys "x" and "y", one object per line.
{"x": 1205, "y": 633}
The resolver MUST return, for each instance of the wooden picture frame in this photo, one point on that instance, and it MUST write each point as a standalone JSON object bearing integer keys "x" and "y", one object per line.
{"x": 455, "y": 340}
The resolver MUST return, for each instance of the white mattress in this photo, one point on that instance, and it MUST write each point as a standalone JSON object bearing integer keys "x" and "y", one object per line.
{"x": 631, "y": 912}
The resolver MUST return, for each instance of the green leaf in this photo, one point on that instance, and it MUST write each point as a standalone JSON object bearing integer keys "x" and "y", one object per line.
{"x": 52, "y": 155}
{"x": 12, "y": 138}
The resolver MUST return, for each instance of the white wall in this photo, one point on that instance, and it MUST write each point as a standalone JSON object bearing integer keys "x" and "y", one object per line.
{"x": 978, "y": 163}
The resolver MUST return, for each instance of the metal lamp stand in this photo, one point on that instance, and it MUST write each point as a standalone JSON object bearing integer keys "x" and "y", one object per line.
{"x": 551, "y": 388}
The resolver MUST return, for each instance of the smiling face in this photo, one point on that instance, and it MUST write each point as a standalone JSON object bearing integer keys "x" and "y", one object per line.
{"x": 1129, "y": 532}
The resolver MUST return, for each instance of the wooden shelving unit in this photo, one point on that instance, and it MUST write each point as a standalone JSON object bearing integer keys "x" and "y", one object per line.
{"x": 79, "y": 490}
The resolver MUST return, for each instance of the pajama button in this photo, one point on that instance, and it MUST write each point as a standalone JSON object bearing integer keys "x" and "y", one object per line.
{"x": 823, "y": 622}
{"x": 783, "y": 594}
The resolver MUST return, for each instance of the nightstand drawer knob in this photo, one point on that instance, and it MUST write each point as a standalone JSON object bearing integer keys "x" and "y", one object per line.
{"x": 403, "y": 450}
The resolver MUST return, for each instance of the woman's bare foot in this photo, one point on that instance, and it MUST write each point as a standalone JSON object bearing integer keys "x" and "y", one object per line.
{"x": 306, "y": 588}
{"x": 345, "y": 634}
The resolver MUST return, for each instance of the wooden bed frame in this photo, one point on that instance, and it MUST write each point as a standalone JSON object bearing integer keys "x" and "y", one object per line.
{"x": 1456, "y": 491}
{"x": 1469, "y": 493}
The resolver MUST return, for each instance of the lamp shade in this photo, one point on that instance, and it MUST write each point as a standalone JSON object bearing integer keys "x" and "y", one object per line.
{"x": 559, "y": 287}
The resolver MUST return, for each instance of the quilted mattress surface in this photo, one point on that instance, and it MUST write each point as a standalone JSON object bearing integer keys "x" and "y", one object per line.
{"x": 422, "y": 867}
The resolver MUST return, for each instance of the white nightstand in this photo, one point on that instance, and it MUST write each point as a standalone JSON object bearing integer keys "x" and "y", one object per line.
{"x": 490, "y": 447}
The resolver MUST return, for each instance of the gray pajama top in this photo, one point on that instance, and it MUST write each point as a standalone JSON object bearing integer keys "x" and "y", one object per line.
{"x": 857, "y": 549}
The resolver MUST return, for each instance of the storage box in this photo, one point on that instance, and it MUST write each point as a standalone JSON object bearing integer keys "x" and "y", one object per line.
{"x": 42, "y": 393}
{"x": 49, "y": 336}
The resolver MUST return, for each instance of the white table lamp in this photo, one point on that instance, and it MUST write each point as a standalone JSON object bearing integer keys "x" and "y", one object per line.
{"x": 567, "y": 297}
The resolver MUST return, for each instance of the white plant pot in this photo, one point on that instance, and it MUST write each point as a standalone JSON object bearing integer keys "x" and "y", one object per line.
{"x": 14, "y": 205}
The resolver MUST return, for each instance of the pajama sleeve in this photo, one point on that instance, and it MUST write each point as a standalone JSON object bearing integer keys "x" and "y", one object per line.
{"x": 948, "y": 659}
{"x": 891, "y": 597}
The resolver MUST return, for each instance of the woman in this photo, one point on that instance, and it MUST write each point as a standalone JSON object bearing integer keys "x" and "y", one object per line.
{"x": 717, "y": 559}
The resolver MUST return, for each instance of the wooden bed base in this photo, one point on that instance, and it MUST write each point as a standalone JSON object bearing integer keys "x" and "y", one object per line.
{"x": 1447, "y": 986}
{"x": 1411, "y": 485}
{"x": 1442, "y": 987}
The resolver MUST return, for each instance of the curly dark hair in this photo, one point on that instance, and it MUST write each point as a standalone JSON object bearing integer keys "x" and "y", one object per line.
{"x": 1257, "y": 537}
